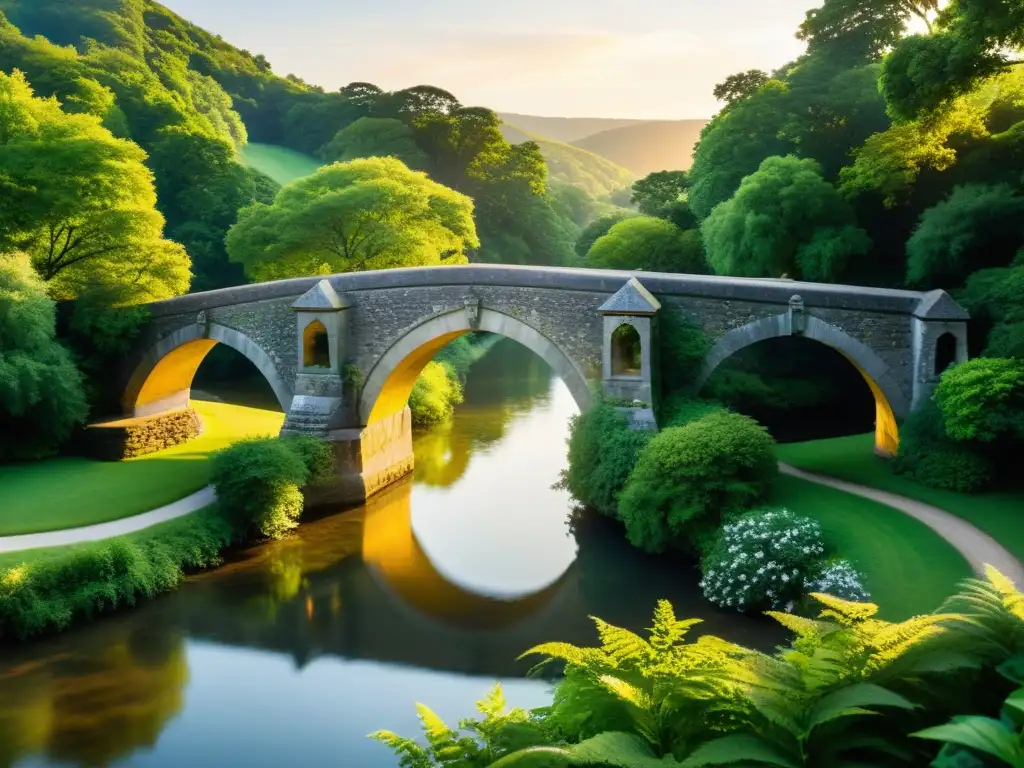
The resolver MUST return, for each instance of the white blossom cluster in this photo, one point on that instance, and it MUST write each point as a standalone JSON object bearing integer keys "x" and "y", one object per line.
{"x": 768, "y": 558}
{"x": 840, "y": 579}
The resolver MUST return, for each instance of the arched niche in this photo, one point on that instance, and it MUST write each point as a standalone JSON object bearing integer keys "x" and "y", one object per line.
{"x": 945, "y": 352}
{"x": 627, "y": 351}
{"x": 316, "y": 345}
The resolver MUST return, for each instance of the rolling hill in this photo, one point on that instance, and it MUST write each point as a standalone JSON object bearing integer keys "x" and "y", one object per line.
{"x": 572, "y": 165}
{"x": 647, "y": 146}
{"x": 567, "y": 129}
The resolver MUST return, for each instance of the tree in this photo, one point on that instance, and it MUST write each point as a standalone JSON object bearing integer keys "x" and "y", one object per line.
{"x": 370, "y": 213}
{"x": 598, "y": 228}
{"x": 81, "y": 203}
{"x": 42, "y": 396}
{"x": 739, "y": 86}
{"x": 785, "y": 219}
{"x": 375, "y": 137}
{"x": 977, "y": 226}
{"x": 659, "y": 190}
{"x": 648, "y": 244}
{"x": 861, "y": 30}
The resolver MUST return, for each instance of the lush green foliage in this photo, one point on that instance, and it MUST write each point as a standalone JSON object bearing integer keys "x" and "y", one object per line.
{"x": 648, "y": 244}
{"x": 258, "y": 481}
{"x": 81, "y": 203}
{"x": 435, "y": 394}
{"x": 929, "y": 456}
{"x": 366, "y": 214}
{"x": 784, "y": 220}
{"x": 847, "y": 690}
{"x": 977, "y": 226}
{"x": 983, "y": 399}
{"x": 602, "y": 453}
{"x": 375, "y": 137}
{"x": 598, "y": 228}
{"x": 690, "y": 478}
{"x": 42, "y": 396}
{"x": 82, "y": 581}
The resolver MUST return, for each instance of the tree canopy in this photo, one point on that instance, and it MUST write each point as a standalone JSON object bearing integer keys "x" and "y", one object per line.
{"x": 785, "y": 220}
{"x": 376, "y": 137}
{"x": 41, "y": 392}
{"x": 81, "y": 203}
{"x": 371, "y": 213}
{"x": 648, "y": 244}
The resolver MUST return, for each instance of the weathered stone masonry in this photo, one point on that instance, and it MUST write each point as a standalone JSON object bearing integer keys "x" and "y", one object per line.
{"x": 382, "y": 327}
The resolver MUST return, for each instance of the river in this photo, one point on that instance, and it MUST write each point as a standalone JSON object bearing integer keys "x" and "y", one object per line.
{"x": 292, "y": 652}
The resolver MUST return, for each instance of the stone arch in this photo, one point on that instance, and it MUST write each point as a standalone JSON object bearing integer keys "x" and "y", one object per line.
{"x": 890, "y": 401}
{"x": 391, "y": 380}
{"x": 162, "y": 380}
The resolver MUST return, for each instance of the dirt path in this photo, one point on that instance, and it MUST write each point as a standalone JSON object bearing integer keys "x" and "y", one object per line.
{"x": 977, "y": 547}
{"x": 179, "y": 508}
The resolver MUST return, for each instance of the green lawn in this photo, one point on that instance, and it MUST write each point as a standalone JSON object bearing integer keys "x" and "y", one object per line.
{"x": 72, "y": 492}
{"x": 1001, "y": 515}
{"x": 908, "y": 568}
{"x": 281, "y": 164}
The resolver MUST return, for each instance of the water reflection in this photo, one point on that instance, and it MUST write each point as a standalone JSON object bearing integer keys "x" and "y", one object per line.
{"x": 293, "y": 651}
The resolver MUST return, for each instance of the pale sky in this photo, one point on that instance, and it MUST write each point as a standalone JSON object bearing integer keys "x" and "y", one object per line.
{"x": 642, "y": 59}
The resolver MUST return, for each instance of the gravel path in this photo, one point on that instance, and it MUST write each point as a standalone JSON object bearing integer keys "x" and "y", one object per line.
{"x": 977, "y": 547}
{"x": 179, "y": 508}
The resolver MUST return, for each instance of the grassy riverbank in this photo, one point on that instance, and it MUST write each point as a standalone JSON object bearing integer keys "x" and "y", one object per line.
{"x": 1001, "y": 515}
{"x": 907, "y": 567}
{"x": 71, "y": 492}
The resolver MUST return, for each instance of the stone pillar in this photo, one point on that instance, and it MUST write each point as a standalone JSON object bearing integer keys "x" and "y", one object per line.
{"x": 939, "y": 338}
{"x": 634, "y": 307}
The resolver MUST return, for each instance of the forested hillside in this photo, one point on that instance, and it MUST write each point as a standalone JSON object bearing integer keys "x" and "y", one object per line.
{"x": 647, "y": 147}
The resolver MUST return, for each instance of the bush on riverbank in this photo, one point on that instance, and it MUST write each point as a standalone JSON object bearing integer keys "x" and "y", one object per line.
{"x": 435, "y": 394}
{"x": 769, "y": 559}
{"x": 929, "y": 456}
{"x": 60, "y": 586}
{"x": 689, "y": 479}
{"x": 848, "y": 689}
{"x": 258, "y": 482}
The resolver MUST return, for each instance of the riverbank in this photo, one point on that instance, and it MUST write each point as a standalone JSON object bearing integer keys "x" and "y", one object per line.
{"x": 72, "y": 492}
{"x": 1000, "y": 515}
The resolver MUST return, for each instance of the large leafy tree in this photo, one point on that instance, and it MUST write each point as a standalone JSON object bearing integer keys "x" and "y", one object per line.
{"x": 662, "y": 194}
{"x": 785, "y": 219}
{"x": 376, "y": 137}
{"x": 372, "y": 213}
{"x": 861, "y": 30}
{"x": 648, "y": 244}
{"x": 737, "y": 87}
{"x": 42, "y": 396}
{"x": 977, "y": 226}
{"x": 81, "y": 203}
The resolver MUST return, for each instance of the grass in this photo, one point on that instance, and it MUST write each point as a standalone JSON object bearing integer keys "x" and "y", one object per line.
{"x": 908, "y": 568}
{"x": 1001, "y": 515}
{"x": 281, "y": 164}
{"x": 72, "y": 492}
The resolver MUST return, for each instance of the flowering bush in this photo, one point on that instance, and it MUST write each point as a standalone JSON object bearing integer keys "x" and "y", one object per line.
{"x": 840, "y": 579}
{"x": 771, "y": 559}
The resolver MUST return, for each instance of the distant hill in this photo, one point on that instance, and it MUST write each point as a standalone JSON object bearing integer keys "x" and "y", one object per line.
{"x": 647, "y": 146}
{"x": 572, "y": 165}
{"x": 567, "y": 129}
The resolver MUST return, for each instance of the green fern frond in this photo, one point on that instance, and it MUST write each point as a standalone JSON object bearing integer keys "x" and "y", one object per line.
{"x": 410, "y": 754}
{"x": 621, "y": 645}
{"x": 844, "y": 612}
{"x": 798, "y": 625}
{"x": 668, "y": 630}
{"x": 631, "y": 694}
{"x": 567, "y": 652}
{"x": 611, "y": 749}
{"x": 438, "y": 734}
{"x": 1013, "y": 600}
{"x": 494, "y": 704}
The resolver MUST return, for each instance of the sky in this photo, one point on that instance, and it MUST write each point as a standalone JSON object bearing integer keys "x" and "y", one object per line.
{"x": 638, "y": 59}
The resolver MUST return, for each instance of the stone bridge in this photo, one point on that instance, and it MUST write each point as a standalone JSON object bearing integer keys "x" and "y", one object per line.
{"x": 343, "y": 352}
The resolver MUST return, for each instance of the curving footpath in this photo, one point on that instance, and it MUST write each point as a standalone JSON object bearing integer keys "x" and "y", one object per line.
{"x": 977, "y": 547}
{"x": 133, "y": 524}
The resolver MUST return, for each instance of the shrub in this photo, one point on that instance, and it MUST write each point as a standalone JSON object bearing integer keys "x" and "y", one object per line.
{"x": 602, "y": 452}
{"x": 983, "y": 399}
{"x": 689, "y": 478}
{"x": 929, "y": 456}
{"x": 682, "y": 347}
{"x": 681, "y": 409}
{"x": 763, "y": 560}
{"x": 258, "y": 480}
{"x": 435, "y": 394}
{"x": 840, "y": 579}
{"x": 84, "y": 580}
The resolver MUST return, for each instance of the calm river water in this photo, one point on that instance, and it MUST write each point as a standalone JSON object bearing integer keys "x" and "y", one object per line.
{"x": 292, "y": 652}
